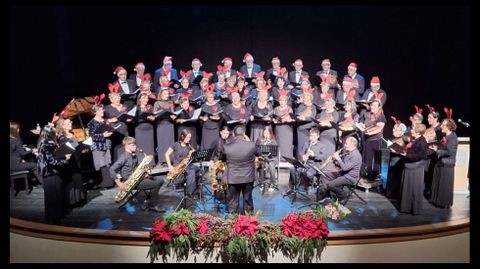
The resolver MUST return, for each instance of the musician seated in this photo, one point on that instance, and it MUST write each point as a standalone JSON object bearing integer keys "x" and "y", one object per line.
{"x": 181, "y": 150}
{"x": 126, "y": 164}
{"x": 268, "y": 165}
{"x": 346, "y": 171}
{"x": 314, "y": 152}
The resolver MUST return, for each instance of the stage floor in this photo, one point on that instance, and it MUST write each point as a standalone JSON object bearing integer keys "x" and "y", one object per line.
{"x": 101, "y": 212}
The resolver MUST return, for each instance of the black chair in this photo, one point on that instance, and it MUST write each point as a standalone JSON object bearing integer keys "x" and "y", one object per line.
{"x": 20, "y": 175}
{"x": 134, "y": 194}
{"x": 352, "y": 189}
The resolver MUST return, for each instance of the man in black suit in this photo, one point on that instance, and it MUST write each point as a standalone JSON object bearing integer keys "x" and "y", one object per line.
{"x": 126, "y": 165}
{"x": 127, "y": 87}
{"x": 240, "y": 155}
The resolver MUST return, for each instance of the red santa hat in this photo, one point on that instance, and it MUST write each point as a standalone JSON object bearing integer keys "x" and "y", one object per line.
{"x": 226, "y": 59}
{"x": 119, "y": 70}
{"x": 352, "y": 65}
{"x": 247, "y": 56}
{"x": 275, "y": 60}
{"x": 167, "y": 60}
{"x": 326, "y": 61}
{"x": 298, "y": 61}
{"x": 375, "y": 81}
{"x": 347, "y": 80}
{"x": 137, "y": 65}
{"x": 196, "y": 60}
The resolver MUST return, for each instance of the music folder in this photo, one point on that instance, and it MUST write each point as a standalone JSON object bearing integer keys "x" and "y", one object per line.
{"x": 106, "y": 128}
{"x": 195, "y": 115}
{"x": 66, "y": 148}
{"x": 130, "y": 95}
{"x": 124, "y": 116}
{"x": 397, "y": 148}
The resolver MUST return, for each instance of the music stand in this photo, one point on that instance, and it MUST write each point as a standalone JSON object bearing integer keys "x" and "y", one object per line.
{"x": 201, "y": 156}
{"x": 321, "y": 173}
{"x": 266, "y": 151}
{"x": 294, "y": 192}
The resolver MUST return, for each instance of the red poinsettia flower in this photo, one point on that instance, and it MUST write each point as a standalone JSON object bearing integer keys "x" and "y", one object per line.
{"x": 242, "y": 110}
{"x": 160, "y": 232}
{"x": 179, "y": 229}
{"x": 214, "y": 108}
{"x": 202, "y": 227}
{"x": 444, "y": 140}
{"x": 171, "y": 91}
{"x": 245, "y": 92}
{"x": 409, "y": 145}
{"x": 245, "y": 225}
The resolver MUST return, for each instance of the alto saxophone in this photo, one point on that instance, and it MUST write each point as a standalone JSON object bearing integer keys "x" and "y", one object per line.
{"x": 179, "y": 168}
{"x": 217, "y": 167}
{"x": 134, "y": 179}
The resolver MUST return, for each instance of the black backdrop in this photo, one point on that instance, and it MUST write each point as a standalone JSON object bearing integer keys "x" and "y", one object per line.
{"x": 420, "y": 53}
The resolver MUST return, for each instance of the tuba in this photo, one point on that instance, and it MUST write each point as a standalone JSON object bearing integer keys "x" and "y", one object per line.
{"x": 135, "y": 178}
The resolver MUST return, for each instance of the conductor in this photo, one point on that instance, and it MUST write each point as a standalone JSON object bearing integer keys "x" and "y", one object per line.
{"x": 240, "y": 155}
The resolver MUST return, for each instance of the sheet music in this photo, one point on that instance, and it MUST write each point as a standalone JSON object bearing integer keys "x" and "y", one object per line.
{"x": 359, "y": 127}
{"x": 233, "y": 121}
{"x": 88, "y": 141}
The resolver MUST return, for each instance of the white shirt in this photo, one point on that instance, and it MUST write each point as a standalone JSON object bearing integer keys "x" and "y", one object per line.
{"x": 196, "y": 73}
{"x": 227, "y": 74}
{"x": 124, "y": 86}
{"x": 139, "y": 81}
{"x": 297, "y": 76}
{"x": 249, "y": 71}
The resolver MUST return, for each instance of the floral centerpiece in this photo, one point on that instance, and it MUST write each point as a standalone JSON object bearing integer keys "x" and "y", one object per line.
{"x": 241, "y": 238}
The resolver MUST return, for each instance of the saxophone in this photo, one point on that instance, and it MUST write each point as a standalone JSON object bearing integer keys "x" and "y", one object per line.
{"x": 135, "y": 178}
{"x": 179, "y": 168}
{"x": 217, "y": 167}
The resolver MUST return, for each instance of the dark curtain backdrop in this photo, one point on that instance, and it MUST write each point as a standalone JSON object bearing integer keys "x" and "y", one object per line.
{"x": 420, "y": 53}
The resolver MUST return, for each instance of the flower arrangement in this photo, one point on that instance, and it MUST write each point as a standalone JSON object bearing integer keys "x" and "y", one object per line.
{"x": 241, "y": 238}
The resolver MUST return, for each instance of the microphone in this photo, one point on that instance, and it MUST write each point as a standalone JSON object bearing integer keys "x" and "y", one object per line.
{"x": 466, "y": 124}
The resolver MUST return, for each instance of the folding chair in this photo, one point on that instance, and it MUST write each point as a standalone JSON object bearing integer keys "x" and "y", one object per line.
{"x": 352, "y": 189}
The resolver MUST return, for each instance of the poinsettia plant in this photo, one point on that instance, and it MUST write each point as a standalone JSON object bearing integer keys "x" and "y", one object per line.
{"x": 239, "y": 238}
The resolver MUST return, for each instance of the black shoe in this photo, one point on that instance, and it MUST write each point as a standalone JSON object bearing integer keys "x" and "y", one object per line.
{"x": 156, "y": 209}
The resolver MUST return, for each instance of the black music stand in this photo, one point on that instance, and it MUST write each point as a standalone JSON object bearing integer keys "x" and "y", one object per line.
{"x": 320, "y": 173}
{"x": 202, "y": 156}
{"x": 266, "y": 151}
{"x": 296, "y": 164}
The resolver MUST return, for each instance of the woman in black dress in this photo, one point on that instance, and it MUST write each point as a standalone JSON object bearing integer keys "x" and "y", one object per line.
{"x": 211, "y": 121}
{"x": 183, "y": 120}
{"x": 267, "y": 167}
{"x": 144, "y": 132}
{"x": 444, "y": 173}
{"x": 54, "y": 171}
{"x": 282, "y": 118}
{"x": 165, "y": 130}
{"x": 413, "y": 172}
